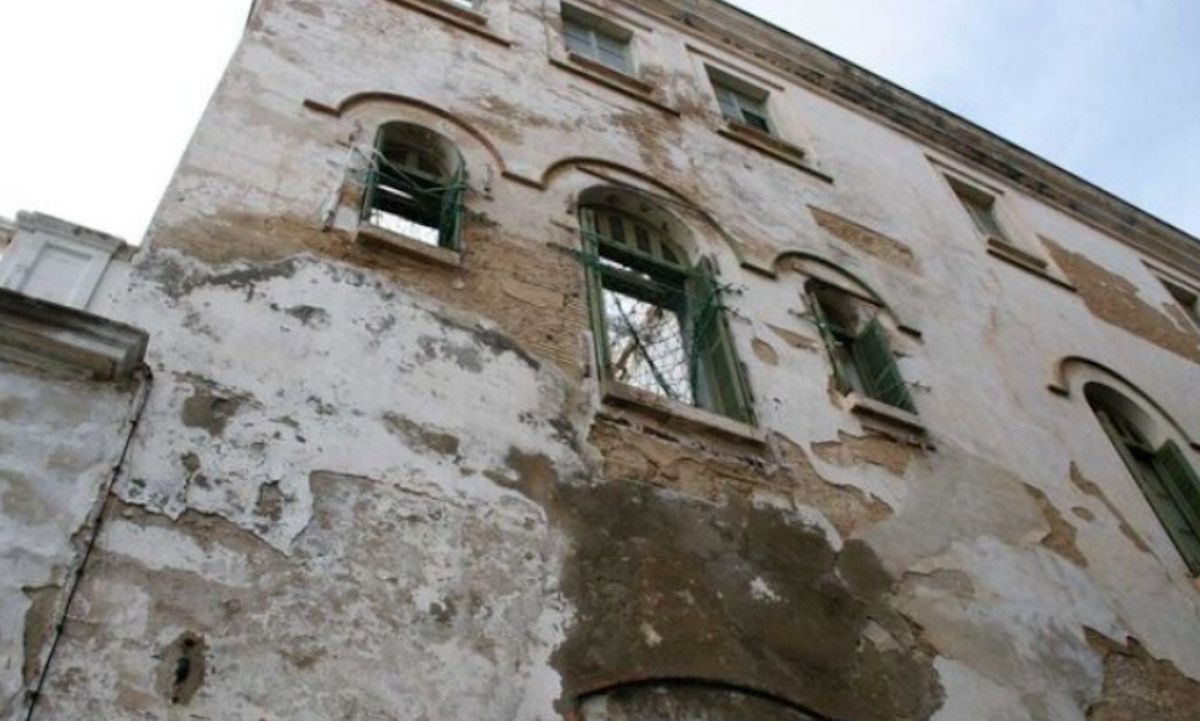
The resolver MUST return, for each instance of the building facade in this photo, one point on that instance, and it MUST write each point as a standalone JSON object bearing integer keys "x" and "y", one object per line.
{"x": 601, "y": 360}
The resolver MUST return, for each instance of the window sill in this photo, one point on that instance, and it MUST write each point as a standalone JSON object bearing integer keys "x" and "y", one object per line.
{"x": 770, "y": 145}
{"x": 882, "y": 417}
{"x": 374, "y": 235}
{"x": 626, "y": 396}
{"x": 1024, "y": 260}
{"x": 470, "y": 20}
{"x": 623, "y": 83}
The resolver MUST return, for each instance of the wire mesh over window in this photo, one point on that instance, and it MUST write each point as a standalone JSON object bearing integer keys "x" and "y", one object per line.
{"x": 658, "y": 320}
{"x": 646, "y": 346}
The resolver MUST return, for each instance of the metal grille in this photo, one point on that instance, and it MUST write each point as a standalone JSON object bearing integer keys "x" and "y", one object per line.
{"x": 646, "y": 346}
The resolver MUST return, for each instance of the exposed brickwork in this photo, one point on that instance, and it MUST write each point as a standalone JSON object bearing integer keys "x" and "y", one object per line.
{"x": 1114, "y": 299}
{"x": 871, "y": 242}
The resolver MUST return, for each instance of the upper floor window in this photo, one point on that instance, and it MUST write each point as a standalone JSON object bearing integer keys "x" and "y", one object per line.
{"x": 1186, "y": 298}
{"x": 858, "y": 346}
{"x": 1164, "y": 474}
{"x": 982, "y": 208}
{"x": 657, "y": 317}
{"x": 740, "y": 101}
{"x": 594, "y": 38}
{"x": 415, "y": 186}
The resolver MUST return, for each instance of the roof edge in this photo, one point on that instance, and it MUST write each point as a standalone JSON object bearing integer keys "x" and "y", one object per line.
{"x": 820, "y": 69}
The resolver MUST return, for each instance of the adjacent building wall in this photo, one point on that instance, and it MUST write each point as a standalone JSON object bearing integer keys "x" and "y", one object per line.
{"x": 60, "y": 442}
{"x": 367, "y": 486}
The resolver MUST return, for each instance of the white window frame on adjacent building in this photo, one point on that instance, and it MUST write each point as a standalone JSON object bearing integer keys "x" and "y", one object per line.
{"x": 56, "y": 261}
{"x": 598, "y": 40}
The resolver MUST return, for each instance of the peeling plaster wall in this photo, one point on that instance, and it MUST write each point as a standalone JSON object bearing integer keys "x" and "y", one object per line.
{"x": 370, "y": 487}
{"x": 59, "y": 441}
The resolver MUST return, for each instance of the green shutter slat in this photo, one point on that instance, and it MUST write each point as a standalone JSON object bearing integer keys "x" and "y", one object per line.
{"x": 372, "y": 177}
{"x": 1183, "y": 485}
{"x": 878, "y": 368}
{"x": 718, "y": 381}
{"x": 450, "y": 227}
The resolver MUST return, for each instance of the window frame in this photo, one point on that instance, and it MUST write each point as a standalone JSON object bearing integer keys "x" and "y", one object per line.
{"x": 596, "y": 27}
{"x": 1187, "y": 298}
{"x": 1166, "y": 479}
{"x": 449, "y": 194}
{"x": 716, "y": 376}
{"x": 862, "y": 359}
{"x": 974, "y": 201}
{"x": 733, "y": 93}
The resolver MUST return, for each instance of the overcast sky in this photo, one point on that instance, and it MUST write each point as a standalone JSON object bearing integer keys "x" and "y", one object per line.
{"x": 99, "y": 98}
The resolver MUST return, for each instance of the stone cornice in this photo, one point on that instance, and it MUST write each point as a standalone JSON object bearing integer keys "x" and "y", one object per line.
{"x": 835, "y": 76}
{"x": 67, "y": 341}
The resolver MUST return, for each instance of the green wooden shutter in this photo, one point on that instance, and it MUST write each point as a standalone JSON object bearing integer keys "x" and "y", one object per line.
{"x": 878, "y": 370}
{"x": 831, "y": 341}
{"x": 450, "y": 227}
{"x": 595, "y": 288}
{"x": 1183, "y": 485}
{"x": 718, "y": 378}
{"x": 372, "y": 176}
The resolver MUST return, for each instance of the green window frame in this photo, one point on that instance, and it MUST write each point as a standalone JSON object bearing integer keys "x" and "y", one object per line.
{"x": 1166, "y": 479}
{"x": 407, "y": 191}
{"x": 862, "y": 358}
{"x": 631, "y": 263}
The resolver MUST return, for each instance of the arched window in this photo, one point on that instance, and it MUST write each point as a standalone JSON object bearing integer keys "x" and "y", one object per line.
{"x": 1163, "y": 472}
{"x": 415, "y": 186}
{"x": 858, "y": 346}
{"x": 657, "y": 317}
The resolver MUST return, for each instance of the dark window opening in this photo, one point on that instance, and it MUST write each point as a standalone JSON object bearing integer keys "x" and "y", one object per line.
{"x": 982, "y": 209}
{"x": 1186, "y": 298}
{"x": 411, "y": 192}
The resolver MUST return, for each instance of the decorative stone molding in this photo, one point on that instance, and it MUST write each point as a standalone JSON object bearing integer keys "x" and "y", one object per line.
{"x": 772, "y": 146}
{"x": 67, "y": 341}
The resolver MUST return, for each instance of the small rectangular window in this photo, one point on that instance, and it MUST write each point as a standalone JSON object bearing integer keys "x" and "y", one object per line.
{"x": 596, "y": 39}
{"x": 1186, "y": 298}
{"x": 982, "y": 209}
{"x": 740, "y": 101}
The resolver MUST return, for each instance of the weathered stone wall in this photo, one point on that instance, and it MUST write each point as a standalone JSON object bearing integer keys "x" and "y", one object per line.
{"x": 59, "y": 442}
{"x": 370, "y": 487}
